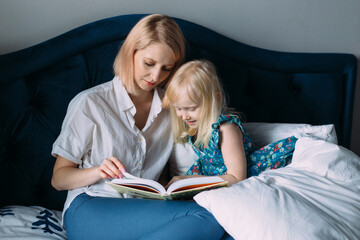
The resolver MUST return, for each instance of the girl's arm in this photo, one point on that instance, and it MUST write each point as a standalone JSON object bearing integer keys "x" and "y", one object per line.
{"x": 232, "y": 148}
{"x": 233, "y": 152}
{"x": 67, "y": 175}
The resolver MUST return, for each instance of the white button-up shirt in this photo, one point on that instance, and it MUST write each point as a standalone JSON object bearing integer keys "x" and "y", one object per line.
{"x": 100, "y": 123}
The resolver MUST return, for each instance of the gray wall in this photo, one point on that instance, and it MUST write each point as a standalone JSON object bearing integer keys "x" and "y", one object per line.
{"x": 284, "y": 25}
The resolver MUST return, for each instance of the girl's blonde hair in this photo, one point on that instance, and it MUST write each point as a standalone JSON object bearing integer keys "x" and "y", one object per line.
{"x": 199, "y": 80}
{"x": 154, "y": 28}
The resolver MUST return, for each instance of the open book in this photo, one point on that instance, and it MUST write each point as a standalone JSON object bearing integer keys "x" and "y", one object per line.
{"x": 146, "y": 188}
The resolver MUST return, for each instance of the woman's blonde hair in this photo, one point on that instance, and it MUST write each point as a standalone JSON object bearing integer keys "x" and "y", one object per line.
{"x": 199, "y": 80}
{"x": 154, "y": 28}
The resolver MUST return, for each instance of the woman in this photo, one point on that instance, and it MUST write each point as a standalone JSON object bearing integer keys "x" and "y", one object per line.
{"x": 120, "y": 126}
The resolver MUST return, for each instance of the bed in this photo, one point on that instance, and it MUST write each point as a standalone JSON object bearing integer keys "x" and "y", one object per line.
{"x": 307, "y": 95}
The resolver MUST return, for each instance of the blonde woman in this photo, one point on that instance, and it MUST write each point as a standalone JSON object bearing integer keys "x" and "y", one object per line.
{"x": 120, "y": 126}
{"x": 199, "y": 116}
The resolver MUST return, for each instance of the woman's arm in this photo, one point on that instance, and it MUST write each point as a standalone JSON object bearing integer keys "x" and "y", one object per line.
{"x": 67, "y": 175}
{"x": 233, "y": 152}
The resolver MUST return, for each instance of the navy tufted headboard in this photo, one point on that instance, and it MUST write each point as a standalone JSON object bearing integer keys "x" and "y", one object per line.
{"x": 37, "y": 83}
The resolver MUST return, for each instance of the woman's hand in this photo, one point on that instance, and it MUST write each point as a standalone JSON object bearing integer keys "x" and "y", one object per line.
{"x": 67, "y": 175}
{"x": 111, "y": 168}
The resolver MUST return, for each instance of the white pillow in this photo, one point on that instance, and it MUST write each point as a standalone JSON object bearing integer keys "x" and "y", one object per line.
{"x": 265, "y": 133}
{"x": 300, "y": 201}
{"x": 326, "y": 159}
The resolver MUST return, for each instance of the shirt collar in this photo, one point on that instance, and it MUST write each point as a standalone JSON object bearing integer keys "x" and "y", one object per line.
{"x": 122, "y": 96}
{"x": 125, "y": 103}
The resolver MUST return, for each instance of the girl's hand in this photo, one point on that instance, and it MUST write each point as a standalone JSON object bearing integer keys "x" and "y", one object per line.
{"x": 111, "y": 168}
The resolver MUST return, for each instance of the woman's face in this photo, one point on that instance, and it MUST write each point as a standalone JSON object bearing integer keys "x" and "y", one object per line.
{"x": 152, "y": 65}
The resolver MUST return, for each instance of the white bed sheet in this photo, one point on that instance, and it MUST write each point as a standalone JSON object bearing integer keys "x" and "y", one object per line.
{"x": 315, "y": 197}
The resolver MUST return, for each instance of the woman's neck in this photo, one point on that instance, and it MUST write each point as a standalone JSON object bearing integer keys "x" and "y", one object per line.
{"x": 142, "y": 101}
{"x": 141, "y": 97}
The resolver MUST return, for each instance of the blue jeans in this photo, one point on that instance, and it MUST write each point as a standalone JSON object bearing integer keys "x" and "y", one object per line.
{"x": 118, "y": 218}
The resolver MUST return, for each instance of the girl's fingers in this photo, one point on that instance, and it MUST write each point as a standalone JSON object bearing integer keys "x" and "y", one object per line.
{"x": 174, "y": 179}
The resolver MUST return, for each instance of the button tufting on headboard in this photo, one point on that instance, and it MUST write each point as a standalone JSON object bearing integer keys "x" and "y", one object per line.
{"x": 295, "y": 88}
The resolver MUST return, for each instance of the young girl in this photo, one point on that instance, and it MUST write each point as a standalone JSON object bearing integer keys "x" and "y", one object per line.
{"x": 199, "y": 115}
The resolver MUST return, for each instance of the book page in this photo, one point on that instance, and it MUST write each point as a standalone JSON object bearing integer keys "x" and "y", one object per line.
{"x": 136, "y": 191}
{"x": 188, "y": 193}
{"x": 194, "y": 182}
{"x": 140, "y": 183}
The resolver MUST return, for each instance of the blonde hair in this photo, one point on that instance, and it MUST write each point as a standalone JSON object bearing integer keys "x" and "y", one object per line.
{"x": 154, "y": 28}
{"x": 199, "y": 80}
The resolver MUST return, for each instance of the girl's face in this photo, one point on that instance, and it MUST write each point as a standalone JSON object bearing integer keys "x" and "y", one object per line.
{"x": 188, "y": 110}
{"x": 152, "y": 65}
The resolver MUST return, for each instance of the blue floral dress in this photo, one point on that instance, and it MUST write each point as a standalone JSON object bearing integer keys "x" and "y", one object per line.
{"x": 275, "y": 155}
{"x": 211, "y": 161}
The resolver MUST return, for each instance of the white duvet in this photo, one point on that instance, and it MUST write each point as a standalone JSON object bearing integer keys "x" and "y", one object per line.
{"x": 317, "y": 196}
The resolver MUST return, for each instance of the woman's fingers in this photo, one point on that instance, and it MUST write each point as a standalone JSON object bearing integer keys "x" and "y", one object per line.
{"x": 110, "y": 171}
{"x": 118, "y": 163}
{"x": 111, "y": 168}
